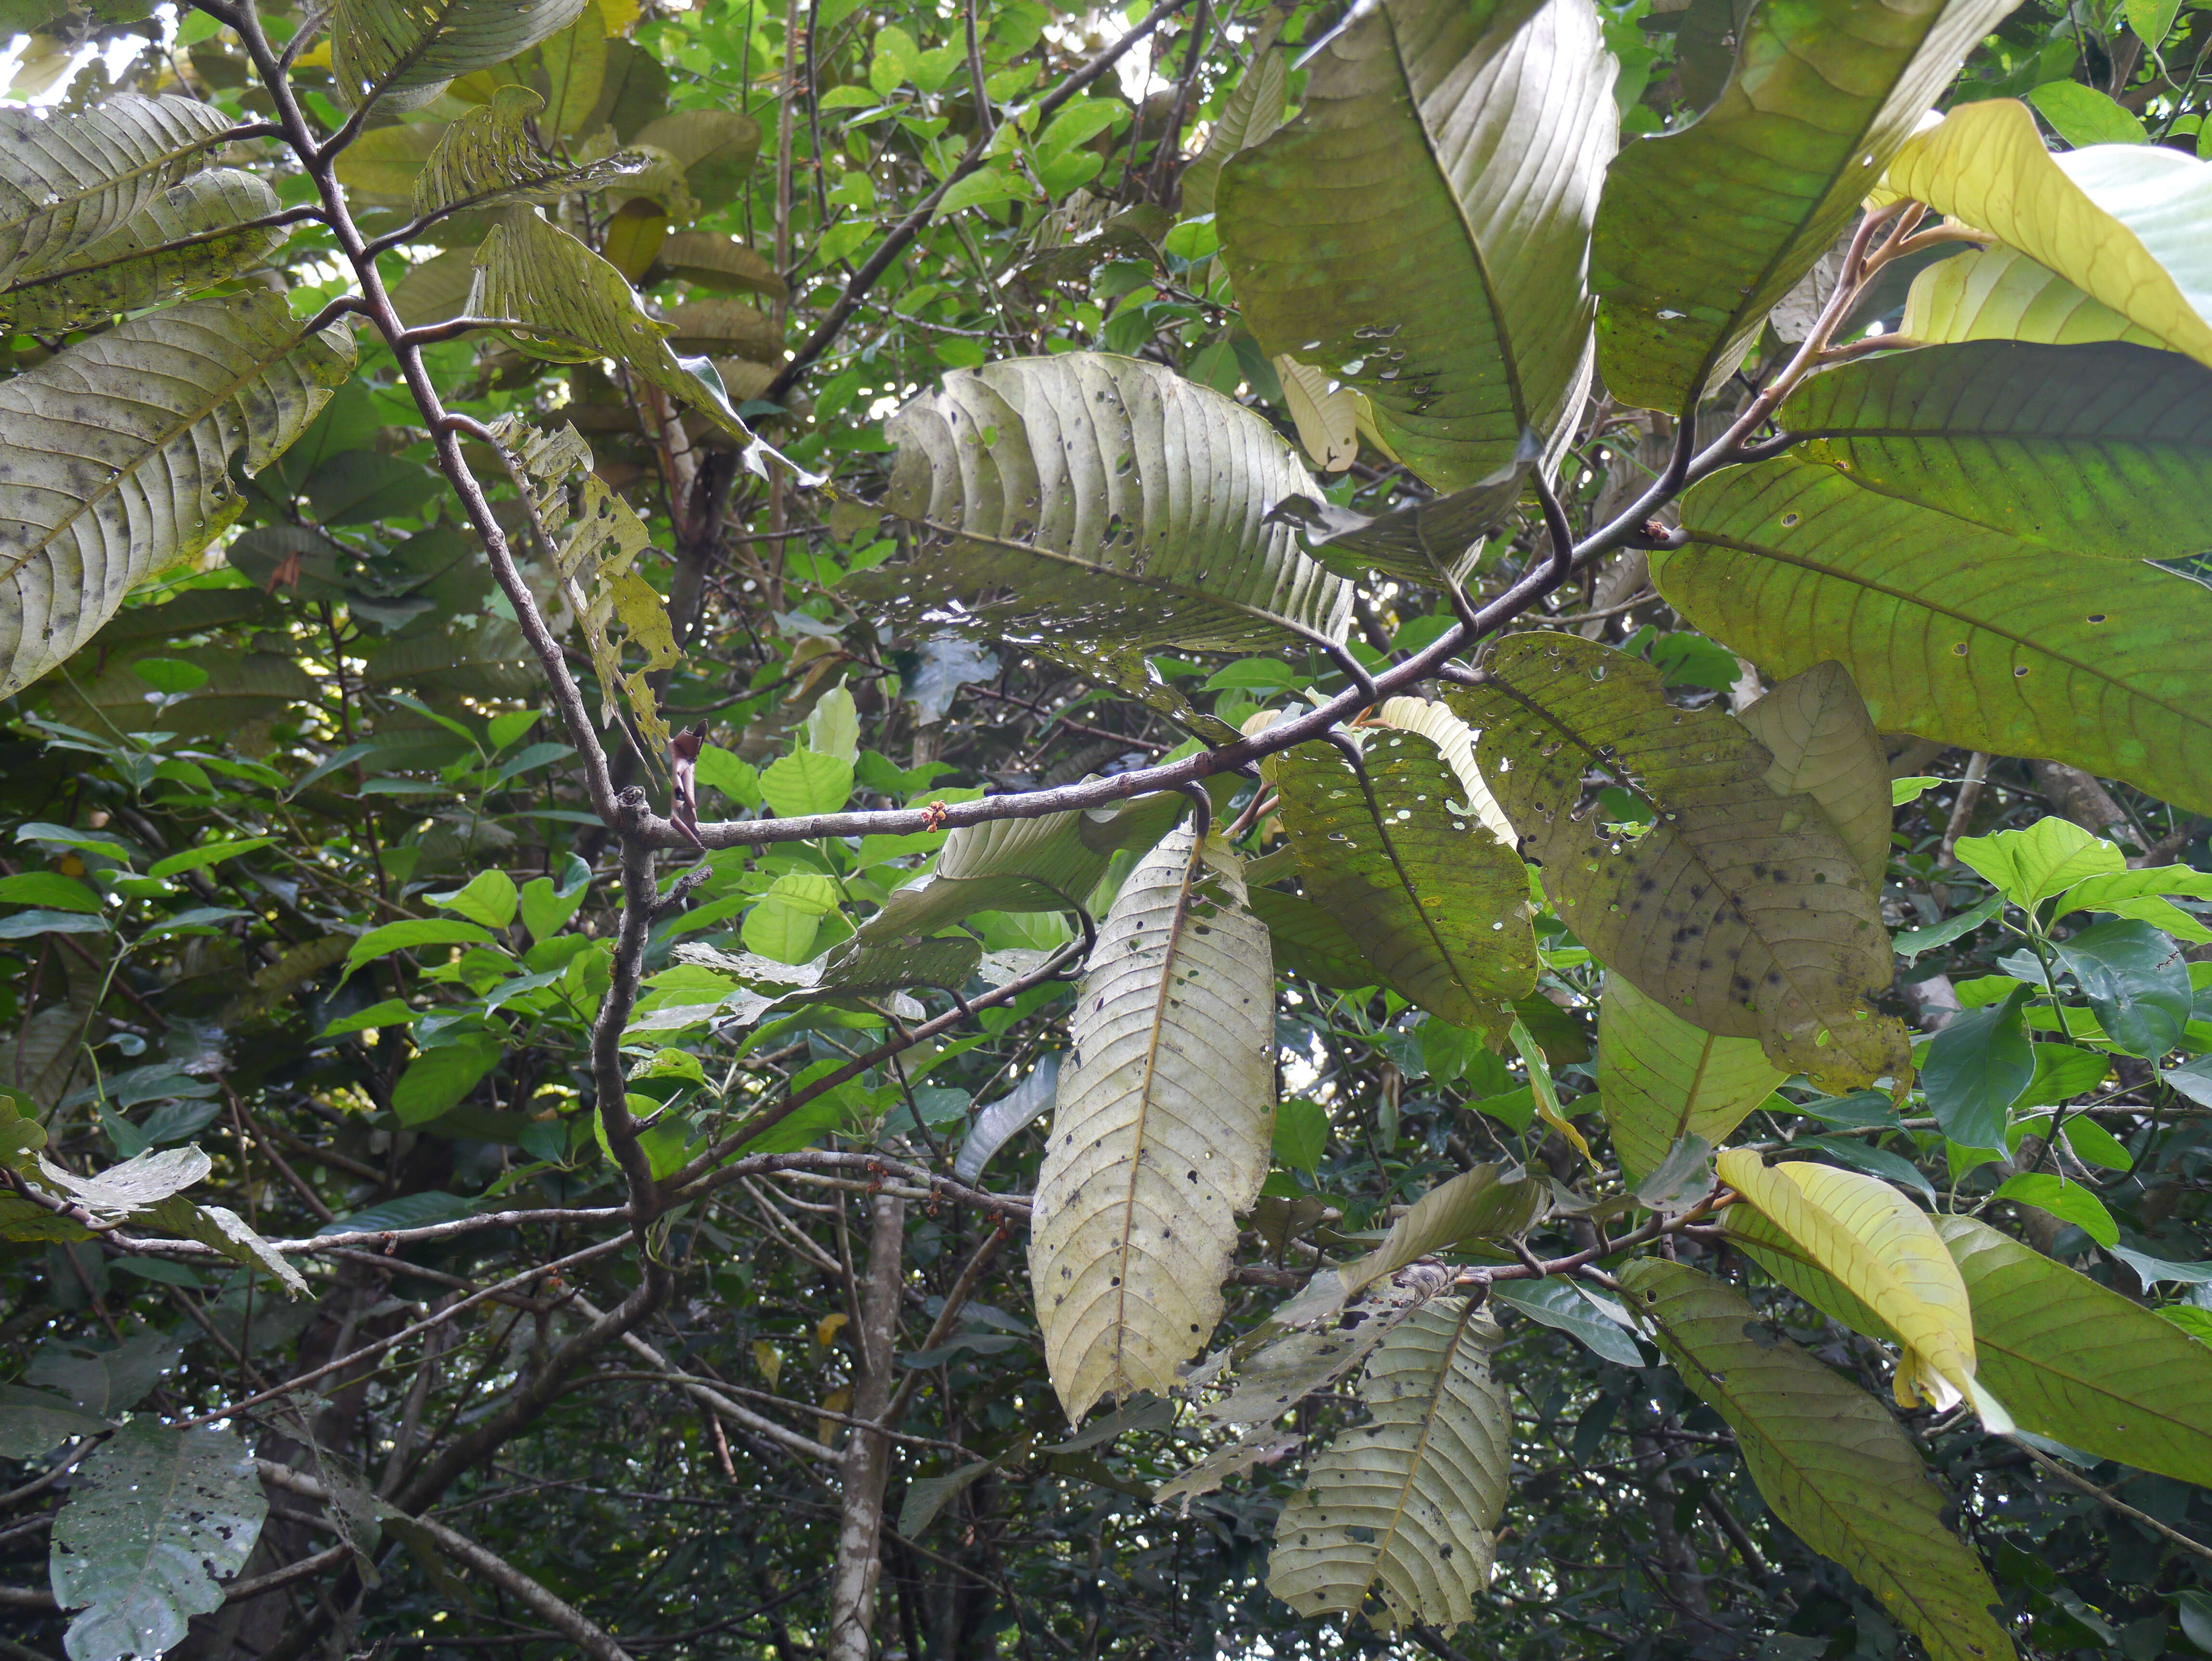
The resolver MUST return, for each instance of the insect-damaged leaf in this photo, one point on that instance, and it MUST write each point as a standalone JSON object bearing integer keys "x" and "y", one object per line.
{"x": 1739, "y": 909}
{"x": 1161, "y": 1130}
{"x": 485, "y": 158}
{"x": 1837, "y": 1469}
{"x": 68, "y": 179}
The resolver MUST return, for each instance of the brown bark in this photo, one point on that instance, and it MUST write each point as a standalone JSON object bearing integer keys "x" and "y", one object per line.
{"x": 2076, "y": 795}
{"x": 868, "y": 1462}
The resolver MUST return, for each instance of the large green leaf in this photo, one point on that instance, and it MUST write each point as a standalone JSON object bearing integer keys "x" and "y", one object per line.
{"x": 1437, "y": 903}
{"x": 1702, "y": 230}
{"x": 2102, "y": 450}
{"x": 2000, "y": 294}
{"x": 405, "y": 51}
{"x": 1404, "y": 1507}
{"x": 113, "y": 455}
{"x": 2077, "y": 1362}
{"x": 1840, "y": 1472}
{"x": 486, "y": 158}
{"x": 70, "y": 180}
{"x": 571, "y": 306}
{"x": 157, "y": 1518}
{"x": 1309, "y": 942}
{"x": 1090, "y": 497}
{"x": 1162, "y": 1131}
{"x": 1420, "y": 230}
{"x": 2124, "y": 223}
{"x": 1952, "y": 631}
{"x": 1737, "y": 909}
{"x": 1660, "y": 1078}
{"x": 134, "y": 267}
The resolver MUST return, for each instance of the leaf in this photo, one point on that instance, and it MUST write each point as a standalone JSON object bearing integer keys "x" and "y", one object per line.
{"x": 1325, "y": 413}
{"x": 1092, "y": 498}
{"x": 804, "y": 782}
{"x": 439, "y": 1079}
{"x": 158, "y": 1517}
{"x": 206, "y": 853}
{"x": 485, "y": 158}
{"x": 132, "y": 478}
{"x": 1436, "y": 901}
{"x": 69, "y": 179}
{"x": 1913, "y": 944}
{"x": 1703, "y": 230}
{"x": 707, "y": 261}
{"x": 1161, "y": 1132}
{"x": 1251, "y": 115}
{"x": 1556, "y": 1301}
{"x": 488, "y": 897}
{"x": 1745, "y": 915}
{"x": 1815, "y": 726}
{"x": 1950, "y": 632}
{"x": 2063, "y": 1073}
{"x": 2046, "y": 858}
{"x": 2101, "y": 450}
{"x": 1438, "y": 270}
{"x": 1977, "y": 1066}
{"x": 1301, "y": 1134}
{"x": 227, "y": 1232}
{"x": 1405, "y": 1506}
{"x": 131, "y": 269}
{"x": 2136, "y": 982}
{"x": 105, "y": 1382}
{"x": 1886, "y": 1254}
{"x": 1456, "y": 739}
{"x": 2077, "y": 1362}
{"x": 2118, "y": 222}
{"x": 714, "y": 147}
{"x": 2000, "y": 294}
{"x": 33, "y": 1423}
{"x": 120, "y": 1190}
{"x": 1661, "y": 1078}
{"x": 49, "y": 888}
{"x": 416, "y": 932}
{"x": 2068, "y": 1201}
{"x": 2082, "y": 115}
{"x": 574, "y": 63}
{"x": 571, "y": 306}
{"x": 1005, "y": 1118}
{"x": 1837, "y": 1470}
{"x": 404, "y": 51}
{"x": 1310, "y": 943}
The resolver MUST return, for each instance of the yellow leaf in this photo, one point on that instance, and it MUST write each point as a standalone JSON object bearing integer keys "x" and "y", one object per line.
{"x": 616, "y": 16}
{"x": 1886, "y": 1251}
{"x": 769, "y": 1359}
{"x": 839, "y": 1400}
{"x": 825, "y": 1330}
{"x": 1324, "y": 411}
{"x": 2122, "y": 222}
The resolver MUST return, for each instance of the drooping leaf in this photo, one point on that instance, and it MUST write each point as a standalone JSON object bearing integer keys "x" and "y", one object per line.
{"x": 1704, "y": 228}
{"x": 2000, "y": 294}
{"x": 1100, "y": 499}
{"x": 133, "y": 477}
{"x": 68, "y": 179}
{"x": 1838, "y": 1470}
{"x": 1742, "y": 913}
{"x": 1976, "y": 1069}
{"x": 1886, "y": 1253}
{"x": 1005, "y": 1118}
{"x": 2118, "y": 222}
{"x": 485, "y": 158}
{"x": 404, "y": 51}
{"x": 1435, "y": 900}
{"x": 1419, "y": 231}
{"x": 1951, "y": 632}
{"x": 1162, "y": 1129}
{"x": 1252, "y": 114}
{"x": 1815, "y": 726}
{"x": 1661, "y": 1078}
{"x": 439, "y": 1079}
{"x": 227, "y": 1232}
{"x": 136, "y": 1184}
{"x": 1404, "y": 1505}
{"x": 131, "y": 269}
{"x": 2078, "y": 1362}
{"x": 158, "y": 1519}
{"x": 1556, "y": 1301}
{"x": 2100, "y": 450}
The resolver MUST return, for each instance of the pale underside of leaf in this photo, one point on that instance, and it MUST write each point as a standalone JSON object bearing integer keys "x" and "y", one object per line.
{"x": 1952, "y": 632}
{"x": 1436, "y": 901}
{"x": 135, "y": 267}
{"x": 93, "y": 505}
{"x": 67, "y": 180}
{"x": 1815, "y": 726}
{"x": 1404, "y": 1507}
{"x": 1837, "y": 1469}
{"x": 1162, "y": 1129}
{"x": 406, "y": 51}
{"x": 1660, "y": 1078}
{"x": 2098, "y": 450}
{"x": 1739, "y": 910}
{"x": 2000, "y": 294}
{"x": 1420, "y": 230}
{"x": 2122, "y": 222}
{"x": 1705, "y": 229}
{"x": 1095, "y": 497}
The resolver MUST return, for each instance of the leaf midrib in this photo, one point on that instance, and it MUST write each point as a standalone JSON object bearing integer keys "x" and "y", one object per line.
{"x": 1429, "y": 1414}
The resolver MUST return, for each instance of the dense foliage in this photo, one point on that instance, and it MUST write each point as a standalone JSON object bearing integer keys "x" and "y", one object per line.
{"x": 849, "y": 831}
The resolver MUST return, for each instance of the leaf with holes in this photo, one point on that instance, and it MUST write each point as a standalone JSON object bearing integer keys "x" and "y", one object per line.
{"x": 1743, "y": 914}
{"x": 1161, "y": 1130}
